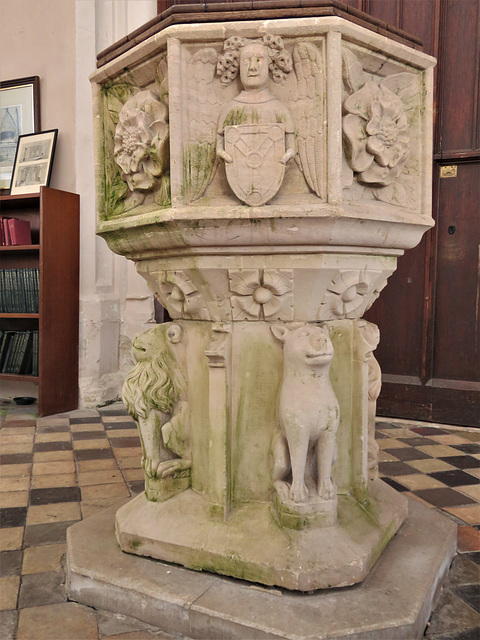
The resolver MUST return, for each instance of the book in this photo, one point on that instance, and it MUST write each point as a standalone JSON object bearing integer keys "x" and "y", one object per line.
{"x": 5, "y": 232}
{"x": 19, "y": 290}
{"x": 19, "y": 231}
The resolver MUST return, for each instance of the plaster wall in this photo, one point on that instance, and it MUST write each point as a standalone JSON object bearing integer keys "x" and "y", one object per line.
{"x": 58, "y": 40}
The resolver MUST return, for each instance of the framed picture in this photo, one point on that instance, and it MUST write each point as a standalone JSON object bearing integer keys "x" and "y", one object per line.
{"x": 19, "y": 114}
{"x": 33, "y": 162}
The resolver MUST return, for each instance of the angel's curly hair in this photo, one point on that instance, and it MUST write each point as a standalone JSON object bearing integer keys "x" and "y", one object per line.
{"x": 280, "y": 61}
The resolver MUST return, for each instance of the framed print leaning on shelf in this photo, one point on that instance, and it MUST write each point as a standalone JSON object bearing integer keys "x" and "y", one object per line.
{"x": 19, "y": 114}
{"x": 33, "y": 162}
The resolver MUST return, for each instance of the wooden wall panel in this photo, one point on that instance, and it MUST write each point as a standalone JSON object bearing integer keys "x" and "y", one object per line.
{"x": 459, "y": 104}
{"x": 399, "y": 314}
{"x": 386, "y": 11}
{"x": 457, "y": 331}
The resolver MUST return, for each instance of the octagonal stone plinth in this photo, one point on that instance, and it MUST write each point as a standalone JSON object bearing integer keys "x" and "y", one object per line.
{"x": 253, "y": 546}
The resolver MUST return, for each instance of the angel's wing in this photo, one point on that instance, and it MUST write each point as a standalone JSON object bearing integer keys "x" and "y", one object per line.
{"x": 308, "y": 109}
{"x": 162, "y": 79}
{"x": 203, "y": 109}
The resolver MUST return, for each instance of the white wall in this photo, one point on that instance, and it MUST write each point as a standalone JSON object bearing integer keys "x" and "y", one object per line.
{"x": 36, "y": 39}
{"x": 58, "y": 40}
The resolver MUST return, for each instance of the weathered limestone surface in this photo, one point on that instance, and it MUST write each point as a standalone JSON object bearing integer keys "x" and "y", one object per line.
{"x": 264, "y": 176}
{"x": 393, "y": 602}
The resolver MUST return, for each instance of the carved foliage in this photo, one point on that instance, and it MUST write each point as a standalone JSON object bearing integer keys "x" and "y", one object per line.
{"x": 136, "y": 152}
{"x": 266, "y": 294}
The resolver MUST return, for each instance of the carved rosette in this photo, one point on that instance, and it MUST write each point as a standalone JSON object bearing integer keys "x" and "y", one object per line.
{"x": 180, "y": 296}
{"x": 380, "y": 132}
{"x": 376, "y": 134}
{"x": 266, "y": 294}
{"x": 346, "y": 295}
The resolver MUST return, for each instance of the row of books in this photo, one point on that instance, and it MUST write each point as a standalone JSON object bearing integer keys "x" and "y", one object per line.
{"x": 14, "y": 232}
{"x": 19, "y": 352}
{"x": 19, "y": 290}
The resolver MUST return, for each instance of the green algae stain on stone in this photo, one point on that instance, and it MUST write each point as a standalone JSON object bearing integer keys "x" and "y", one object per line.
{"x": 259, "y": 370}
{"x": 198, "y": 169}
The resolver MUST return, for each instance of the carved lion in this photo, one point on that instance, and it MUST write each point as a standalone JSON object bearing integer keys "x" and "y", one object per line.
{"x": 154, "y": 395}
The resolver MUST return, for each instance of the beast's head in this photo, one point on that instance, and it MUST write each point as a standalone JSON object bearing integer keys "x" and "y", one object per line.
{"x": 158, "y": 380}
{"x": 305, "y": 344}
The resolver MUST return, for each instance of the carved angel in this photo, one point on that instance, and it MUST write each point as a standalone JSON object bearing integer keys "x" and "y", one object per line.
{"x": 229, "y": 101}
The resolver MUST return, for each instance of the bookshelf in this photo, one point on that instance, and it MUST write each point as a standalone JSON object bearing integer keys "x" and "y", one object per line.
{"x": 54, "y": 222}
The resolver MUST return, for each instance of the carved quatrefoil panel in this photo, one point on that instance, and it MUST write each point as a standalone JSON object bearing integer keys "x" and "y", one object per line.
{"x": 261, "y": 294}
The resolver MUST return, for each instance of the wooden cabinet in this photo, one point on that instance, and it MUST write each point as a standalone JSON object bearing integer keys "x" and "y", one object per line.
{"x": 54, "y": 222}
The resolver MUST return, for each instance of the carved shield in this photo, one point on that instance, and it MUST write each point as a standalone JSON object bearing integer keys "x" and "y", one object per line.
{"x": 256, "y": 172}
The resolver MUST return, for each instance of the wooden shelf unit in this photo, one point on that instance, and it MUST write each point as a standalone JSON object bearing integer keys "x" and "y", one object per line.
{"x": 55, "y": 223}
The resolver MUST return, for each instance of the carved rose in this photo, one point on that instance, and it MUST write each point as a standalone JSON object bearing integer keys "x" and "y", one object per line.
{"x": 141, "y": 140}
{"x": 376, "y": 134}
{"x": 269, "y": 294}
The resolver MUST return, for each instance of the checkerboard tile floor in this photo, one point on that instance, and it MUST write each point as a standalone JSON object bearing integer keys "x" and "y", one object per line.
{"x": 55, "y": 471}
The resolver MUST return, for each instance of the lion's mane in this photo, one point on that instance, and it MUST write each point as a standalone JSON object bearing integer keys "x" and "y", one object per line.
{"x": 157, "y": 383}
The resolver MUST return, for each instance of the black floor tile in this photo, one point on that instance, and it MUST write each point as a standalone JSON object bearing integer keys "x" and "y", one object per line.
{"x": 464, "y": 634}
{"x": 462, "y": 462}
{"x": 444, "y": 497}
{"x": 53, "y": 446}
{"x": 48, "y": 533}
{"x": 463, "y": 572}
{"x": 136, "y": 487}
{"x": 112, "y": 411}
{"x": 396, "y": 469}
{"x": 470, "y": 594}
{"x": 385, "y": 425}
{"x": 39, "y": 589}
{"x": 8, "y": 624}
{"x": 407, "y": 453}
{"x": 11, "y": 563}
{"x": 428, "y": 431}
{"x": 455, "y": 477}
{"x": 16, "y": 458}
{"x": 474, "y": 556}
{"x": 396, "y": 485}
{"x": 88, "y": 435}
{"x": 54, "y": 495}
{"x": 92, "y": 454}
{"x": 417, "y": 442}
{"x": 13, "y": 517}
{"x": 85, "y": 420}
{"x": 452, "y": 618}
{"x": 471, "y": 448}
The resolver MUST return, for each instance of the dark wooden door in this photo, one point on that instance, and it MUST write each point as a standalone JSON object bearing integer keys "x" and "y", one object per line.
{"x": 429, "y": 313}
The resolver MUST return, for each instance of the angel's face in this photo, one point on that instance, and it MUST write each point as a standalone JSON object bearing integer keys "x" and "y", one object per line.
{"x": 254, "y": 66}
